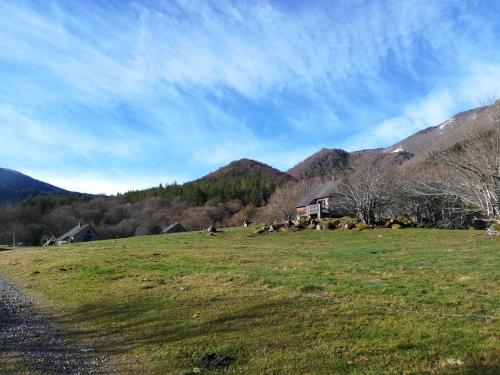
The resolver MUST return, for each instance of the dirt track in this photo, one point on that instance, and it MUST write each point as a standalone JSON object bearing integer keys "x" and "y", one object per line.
{"x": 40, "y": 347}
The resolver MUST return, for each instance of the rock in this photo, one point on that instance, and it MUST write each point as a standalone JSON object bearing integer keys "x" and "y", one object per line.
{"x": 312, "y": 226}
{"x": 361, "y": 226}
{"x": 260, "y": 230}
{"x": 349, "y": 226}
{"x": 271, "y": 228}
{"x": 396, "y": 226}
{"x": 494, "y": 230}
{"x": 211, "y": 229}
{"x": 319, "y": 227}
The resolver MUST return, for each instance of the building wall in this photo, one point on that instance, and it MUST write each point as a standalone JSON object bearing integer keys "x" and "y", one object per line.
{"x": 88, "y": 234}
{"x": 303, "y": 211}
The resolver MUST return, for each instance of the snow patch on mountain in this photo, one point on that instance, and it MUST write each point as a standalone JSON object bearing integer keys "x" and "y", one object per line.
{"x": 446, "y": 123}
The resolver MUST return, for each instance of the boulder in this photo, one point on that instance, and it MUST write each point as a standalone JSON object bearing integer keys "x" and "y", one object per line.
{"x": 260, "y": 230}
{"x": 361, "y": 226}
{"x": 347, "y": 222}
{"x": 494, "y": 230}
{"x": 349, "y": 226}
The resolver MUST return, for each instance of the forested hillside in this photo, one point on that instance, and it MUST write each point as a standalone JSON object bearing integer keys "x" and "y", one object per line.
{"x": 247, "y": 181}
{"x": 211, "y": 200}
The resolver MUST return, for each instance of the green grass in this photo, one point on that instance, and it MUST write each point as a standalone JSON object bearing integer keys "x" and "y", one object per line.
{"x": 381, "y": 301}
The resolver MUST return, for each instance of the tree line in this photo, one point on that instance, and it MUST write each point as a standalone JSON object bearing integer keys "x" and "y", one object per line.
{"x": 455, "y": 187}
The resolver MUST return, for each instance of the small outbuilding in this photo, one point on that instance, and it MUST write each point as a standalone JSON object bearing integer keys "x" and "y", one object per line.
{"x": 80, "y": 233}
{"x": 173, "y": 228}
{"x": 246, "y": 223}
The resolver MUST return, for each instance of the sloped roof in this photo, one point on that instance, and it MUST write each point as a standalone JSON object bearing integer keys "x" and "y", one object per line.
{"x": 175, "y": 227}
{"x": 321, "y": 191}
{"x": 74, "y": 231}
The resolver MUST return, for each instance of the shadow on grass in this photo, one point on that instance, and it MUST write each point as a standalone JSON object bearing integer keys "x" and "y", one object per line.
{"x": 488, "y": 365}
{"x": 144, "y": 322}
{"x": 138, "y": 323}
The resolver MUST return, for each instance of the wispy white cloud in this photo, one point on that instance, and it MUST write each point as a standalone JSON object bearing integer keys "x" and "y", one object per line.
{"x": 35, "y": 138}
{"x": 481, "y": 84}
{"x": 432, "y": 110}
{"x": 99, "y": 182}
{"x": 179, "y": 83}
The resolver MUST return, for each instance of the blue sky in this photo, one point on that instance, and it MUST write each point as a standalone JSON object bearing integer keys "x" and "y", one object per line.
{"x": 102, "y": 96}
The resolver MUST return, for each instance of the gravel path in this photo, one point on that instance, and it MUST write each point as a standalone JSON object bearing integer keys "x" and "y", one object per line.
{"x": 40, "y": 346}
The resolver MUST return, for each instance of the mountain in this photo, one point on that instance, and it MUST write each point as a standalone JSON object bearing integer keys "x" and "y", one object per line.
{"x": 322, "y": 163}
{"x": 412, "y": 149}
{"x": 328, "y": 162}
{"x": 248, "y": 181}
{"x": 252, "y": 182}
{"x": 15, "y": 186}
{"x": 246, "y": 167}
{"x": 443, "y": 135}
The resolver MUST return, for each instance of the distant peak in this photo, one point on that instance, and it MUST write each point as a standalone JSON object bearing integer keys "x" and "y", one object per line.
{"x": 245, "y": 166}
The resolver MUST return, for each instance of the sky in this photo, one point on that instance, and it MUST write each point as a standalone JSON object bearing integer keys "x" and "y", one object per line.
{"x": 109, "y": 96}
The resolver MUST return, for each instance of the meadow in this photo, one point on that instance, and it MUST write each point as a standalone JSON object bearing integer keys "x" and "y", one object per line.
{"x": 407, "y": 301}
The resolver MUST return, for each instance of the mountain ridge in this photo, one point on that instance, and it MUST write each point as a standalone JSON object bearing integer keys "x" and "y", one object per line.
{"x": 16, "y": 186}
{"x": 323, "y": 163}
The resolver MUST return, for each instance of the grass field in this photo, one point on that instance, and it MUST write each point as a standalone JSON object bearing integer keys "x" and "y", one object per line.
{"x": 382, "y": 301}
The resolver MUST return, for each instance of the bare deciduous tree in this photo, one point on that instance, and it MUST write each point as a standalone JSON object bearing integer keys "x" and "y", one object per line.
{"x": 364, "y": 189}
{"x": 474, "y": 163}
{"x": 283, "y": 201}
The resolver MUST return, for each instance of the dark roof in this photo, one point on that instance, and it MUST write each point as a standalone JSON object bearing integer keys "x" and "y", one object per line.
{"x": 321, "y": 191}
{"x": 175, "y": 227}
{"x": 73, "y": 232}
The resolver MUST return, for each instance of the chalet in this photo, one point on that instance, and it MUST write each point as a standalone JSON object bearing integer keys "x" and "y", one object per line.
{"x": 173, "y": 228}
{"x": 317, "y": 203}
{"x": 80, "y": 233}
